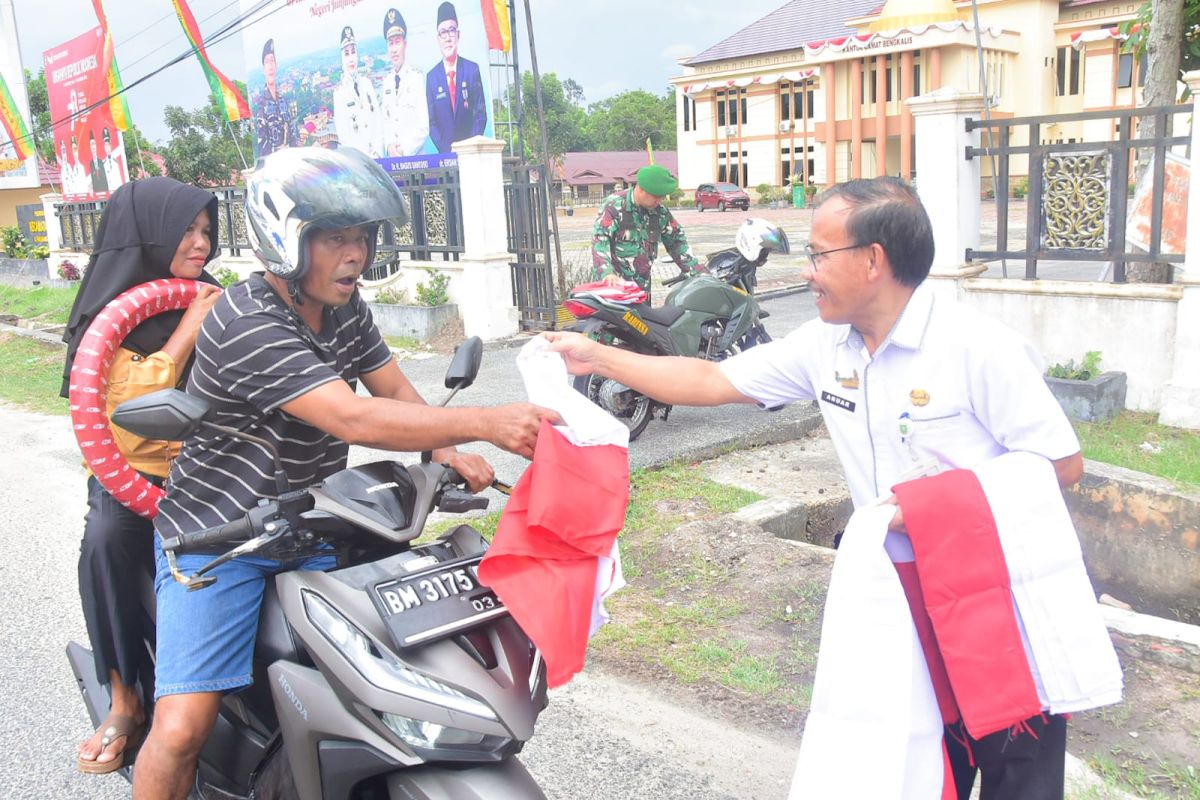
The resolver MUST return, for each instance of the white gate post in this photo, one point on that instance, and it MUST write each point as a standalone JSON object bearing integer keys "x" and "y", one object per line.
{"x": 484, "y": 292}
{"x": 1181, "y": 395}
{"x": 947, "y": 183}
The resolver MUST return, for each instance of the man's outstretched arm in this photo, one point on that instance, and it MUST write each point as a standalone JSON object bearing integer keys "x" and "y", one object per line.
{"x": 668, "y": 379}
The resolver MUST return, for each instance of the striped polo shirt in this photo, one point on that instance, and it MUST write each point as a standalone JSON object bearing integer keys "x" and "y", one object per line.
{"x": 253, "y": 355}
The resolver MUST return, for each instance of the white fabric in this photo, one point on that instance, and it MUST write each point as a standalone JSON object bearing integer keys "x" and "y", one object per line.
{"x": 405, "y": 112}
{"x": 356, "y": 115}
{"x": 544, "y": 374}
{"x": 1071, "y": 655}
{"x": 868, "y": 687}
{"x": 971, "y": 388}
{"x": 872, "y": 688}
{"x": 839, "y": 44}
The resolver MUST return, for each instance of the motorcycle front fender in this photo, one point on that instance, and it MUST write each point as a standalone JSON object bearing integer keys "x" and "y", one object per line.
{"x": 508, "y": 780}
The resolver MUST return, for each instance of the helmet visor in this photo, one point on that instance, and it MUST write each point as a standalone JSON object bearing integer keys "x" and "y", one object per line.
{"x": 339, "y": 190}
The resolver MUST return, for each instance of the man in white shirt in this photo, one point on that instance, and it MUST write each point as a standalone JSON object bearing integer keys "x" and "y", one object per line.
{"x": 402, "y": 94}
{"x": 114, "y": 169}
{"x": 904, "y": 380}
{"x": 355, "y": 107}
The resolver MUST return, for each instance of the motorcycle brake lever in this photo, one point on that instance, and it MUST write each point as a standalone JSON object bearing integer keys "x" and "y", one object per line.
{"x": 199, "y": 580}
{"x": 502, "y": 487}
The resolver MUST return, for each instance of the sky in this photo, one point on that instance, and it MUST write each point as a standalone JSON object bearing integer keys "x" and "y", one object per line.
{"x": 607, "y": 46}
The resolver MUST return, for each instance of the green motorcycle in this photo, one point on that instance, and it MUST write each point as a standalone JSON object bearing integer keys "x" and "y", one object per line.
{"x": 710, "y": 316}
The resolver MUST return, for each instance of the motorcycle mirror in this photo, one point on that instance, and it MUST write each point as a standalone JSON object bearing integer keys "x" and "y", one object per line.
{"x": 464, "y": 366}
{"x": 165, "y": 414}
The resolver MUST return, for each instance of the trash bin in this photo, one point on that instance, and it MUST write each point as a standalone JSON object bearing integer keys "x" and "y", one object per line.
{"x": 798, "y": 197}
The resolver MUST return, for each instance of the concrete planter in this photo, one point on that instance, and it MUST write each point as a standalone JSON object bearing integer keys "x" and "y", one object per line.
{"x": 418, "y": 322}
{"x": 1095, "y": 400}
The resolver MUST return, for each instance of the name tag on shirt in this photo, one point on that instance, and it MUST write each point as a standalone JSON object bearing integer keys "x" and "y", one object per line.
{"x": 840, "y": 402}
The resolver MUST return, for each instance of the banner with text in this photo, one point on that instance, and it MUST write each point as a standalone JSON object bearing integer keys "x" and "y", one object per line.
{"x": 90, "y": 149}
{"x": 15, "y": 172}
{"x": 401, "y": 82}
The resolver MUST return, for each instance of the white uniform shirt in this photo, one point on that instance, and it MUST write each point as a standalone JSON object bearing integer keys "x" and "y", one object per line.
{"x": 112, "y": 170}
{"x": 356, "y": 115}
{"x": 966, "y": 388}
{"x": 405, "y": 113}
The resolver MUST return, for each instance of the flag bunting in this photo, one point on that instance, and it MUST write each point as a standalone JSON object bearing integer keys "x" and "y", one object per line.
{"x": 225, "y": 92}
{"x": 497, "y": 24}
{"x": 14, "y": 124}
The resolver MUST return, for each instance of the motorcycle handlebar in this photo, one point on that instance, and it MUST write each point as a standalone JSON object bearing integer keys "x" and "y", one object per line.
{"x": 677, "y": 279}
{"x": 238, "y": 529}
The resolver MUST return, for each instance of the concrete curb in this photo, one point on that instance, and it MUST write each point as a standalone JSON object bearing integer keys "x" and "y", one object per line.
{"x": 782, "y": 291}
{"x": 28, "y": 333}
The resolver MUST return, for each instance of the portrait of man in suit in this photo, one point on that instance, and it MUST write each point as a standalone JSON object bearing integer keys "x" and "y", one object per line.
{"x": 453, "y": 88}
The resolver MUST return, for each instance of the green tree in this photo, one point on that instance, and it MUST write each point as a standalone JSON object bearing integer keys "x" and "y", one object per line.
{"x": 565, "y": 118}
{"x": 202, "y": 149}
{"x": 625, "y": 121}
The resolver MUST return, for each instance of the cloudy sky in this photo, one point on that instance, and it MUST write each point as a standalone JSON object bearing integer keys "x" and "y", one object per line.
{"x": 607, "y": 46}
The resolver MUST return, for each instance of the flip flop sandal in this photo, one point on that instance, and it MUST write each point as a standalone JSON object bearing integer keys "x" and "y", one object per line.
{"x": 118, "y": 727}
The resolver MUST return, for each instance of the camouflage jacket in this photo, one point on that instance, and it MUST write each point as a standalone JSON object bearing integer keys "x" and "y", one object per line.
{"x": 273, "y": 125}
{"x": 626, "y": 236}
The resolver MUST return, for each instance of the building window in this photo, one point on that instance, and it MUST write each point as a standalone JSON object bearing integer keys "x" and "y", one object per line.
{"x": 1069, "y": 71}
{"x": 720, "y": 101}
{"x": 801, "y": 165}
{"x": 795, "y": 100}
{"x": 889, "y": 77}
{"x": 721, "y": 173}
{"x": 727, "y": 106}
{"x": 689, "y": 113}
{"x": 743, "y": 94}
{"x": 1125, "y": 70}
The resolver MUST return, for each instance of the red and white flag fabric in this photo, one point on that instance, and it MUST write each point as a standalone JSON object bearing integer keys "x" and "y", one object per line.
{"x": 554, "y": 558}
{"x": 1017, "y": 629}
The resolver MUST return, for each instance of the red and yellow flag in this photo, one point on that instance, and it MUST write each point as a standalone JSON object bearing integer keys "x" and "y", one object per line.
{"x": 13, "y": 123}
{"x": 116, "y": 89}
{"x": 233, "y": 104}
{"x": 497, "y": 24}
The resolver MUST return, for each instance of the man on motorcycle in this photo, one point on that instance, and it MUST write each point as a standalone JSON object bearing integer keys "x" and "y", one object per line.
{"x": 279, "y": 358}
{"x": 629, "y": 227}
{"x": 904, "y": 378}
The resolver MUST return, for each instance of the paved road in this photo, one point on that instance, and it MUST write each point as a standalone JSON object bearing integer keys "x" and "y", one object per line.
{"x": 609, "y": 753}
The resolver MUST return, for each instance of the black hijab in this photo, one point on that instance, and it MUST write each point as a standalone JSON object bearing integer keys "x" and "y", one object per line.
{"x": 139, "y": 234}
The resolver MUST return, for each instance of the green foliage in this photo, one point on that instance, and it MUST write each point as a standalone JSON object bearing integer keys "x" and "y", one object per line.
{"x": 687, "y": 202}
{"x": 51, "y": 304}
{"x": 13, "y": 242}
{"x": 202, "y": 150}
{"x": 31, "y": 374}
{"x": 765, "y": 193}
{"x": 565, "y": 117}
{"x": 40, "y": 251}
{"x": 433, "y": 292}
{"x": 1020, "y": 188}
{"x": 1135, "y": 440}
{"x": 392, "y": 296}
{"x": 225, "y": 276}
{"x": 1138, "y": 31}
{"x": 625, "y": 121}
{"x": 1087, "y": 369}
{"x": 39, "y": 112}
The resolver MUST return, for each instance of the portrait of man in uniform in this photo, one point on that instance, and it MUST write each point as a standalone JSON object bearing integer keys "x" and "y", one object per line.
{"x": 99, "y": 179}
{"x": 273, "y": 126}
{"x": 79, "y": 176}
{"x": 453, "y": 88}
{"x": 66, "y": 175}
{"x": 405, "y": 114}
{"x": 356, "y": 109}
{"x": 114, "y": 168}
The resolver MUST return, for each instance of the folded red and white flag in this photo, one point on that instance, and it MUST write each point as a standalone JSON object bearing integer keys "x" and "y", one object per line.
{"x": 1014, "y": 614}
{"x": 554, "y": 558}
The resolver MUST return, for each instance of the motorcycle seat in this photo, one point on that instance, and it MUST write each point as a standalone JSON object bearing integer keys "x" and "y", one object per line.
{"x": 664, "y": 315}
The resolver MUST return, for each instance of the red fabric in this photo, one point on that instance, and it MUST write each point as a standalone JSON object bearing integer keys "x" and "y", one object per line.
{"x": 911, "y": 581}
{"x": 453, "y": 89}
{"x": 564, "y": 513}
{"x": 965, "y": 583}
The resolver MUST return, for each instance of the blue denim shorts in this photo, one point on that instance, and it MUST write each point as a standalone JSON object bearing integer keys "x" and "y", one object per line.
{"x": 206, "y": 637}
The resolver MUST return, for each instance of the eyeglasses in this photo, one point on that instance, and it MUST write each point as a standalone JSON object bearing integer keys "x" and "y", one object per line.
{"x": 812, "y": 257}
{"x": 447, "y": 33}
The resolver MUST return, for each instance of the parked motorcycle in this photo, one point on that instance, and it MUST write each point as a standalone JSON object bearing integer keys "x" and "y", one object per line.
{"x": 396, "y": 674}
{"x": 710, "y": 316}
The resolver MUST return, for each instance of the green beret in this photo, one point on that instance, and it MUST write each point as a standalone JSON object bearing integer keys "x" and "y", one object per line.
{"x": 656, "y": 180}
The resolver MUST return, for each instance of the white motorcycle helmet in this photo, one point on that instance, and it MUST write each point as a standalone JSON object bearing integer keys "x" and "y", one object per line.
{"x": 298, "y": 189}
{"x": 756, "y": 235}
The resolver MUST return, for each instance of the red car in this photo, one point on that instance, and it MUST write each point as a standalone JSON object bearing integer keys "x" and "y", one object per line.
{"x": 721, "y": 196}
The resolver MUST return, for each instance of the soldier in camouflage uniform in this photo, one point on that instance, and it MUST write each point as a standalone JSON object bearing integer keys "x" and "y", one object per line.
{"x": 273, "y": 126}
{"x": 629, "y": 227}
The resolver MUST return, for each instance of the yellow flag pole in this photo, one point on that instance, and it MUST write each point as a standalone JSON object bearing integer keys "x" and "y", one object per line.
{"x": 650, "y": 150}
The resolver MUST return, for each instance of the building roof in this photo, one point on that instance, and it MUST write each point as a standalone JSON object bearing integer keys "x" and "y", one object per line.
{"x": 585, "y": 169}
{"x": 47, "y": 172}
{"x": 788, "y": 28}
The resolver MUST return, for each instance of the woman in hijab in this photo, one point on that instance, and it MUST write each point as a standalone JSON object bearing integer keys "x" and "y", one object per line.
{"x": 151, "y": 229}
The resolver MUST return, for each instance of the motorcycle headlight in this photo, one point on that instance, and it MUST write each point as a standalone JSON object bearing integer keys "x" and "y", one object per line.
{"x": 381, "y": 668}
{"x": 430, "y": 735}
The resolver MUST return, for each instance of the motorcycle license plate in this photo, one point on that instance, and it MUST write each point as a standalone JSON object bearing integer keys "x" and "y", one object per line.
{"x": 436, "y": 602}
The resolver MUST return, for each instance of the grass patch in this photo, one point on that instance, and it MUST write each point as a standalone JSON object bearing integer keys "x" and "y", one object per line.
{"x": 1129, "y": 773}
{"x": 406, "y": 343}
{"x": 47, "y": 303}
{"x": 1136, "y": 441}
{"x": 31, "y": 374}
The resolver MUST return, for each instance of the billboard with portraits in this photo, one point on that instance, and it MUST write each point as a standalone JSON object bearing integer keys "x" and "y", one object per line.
{"x": 400, "y": 81}
{"x": 87, "y": 145}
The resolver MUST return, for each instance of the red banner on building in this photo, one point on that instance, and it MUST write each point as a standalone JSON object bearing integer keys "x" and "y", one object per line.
{"x": 88, "y": 145}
